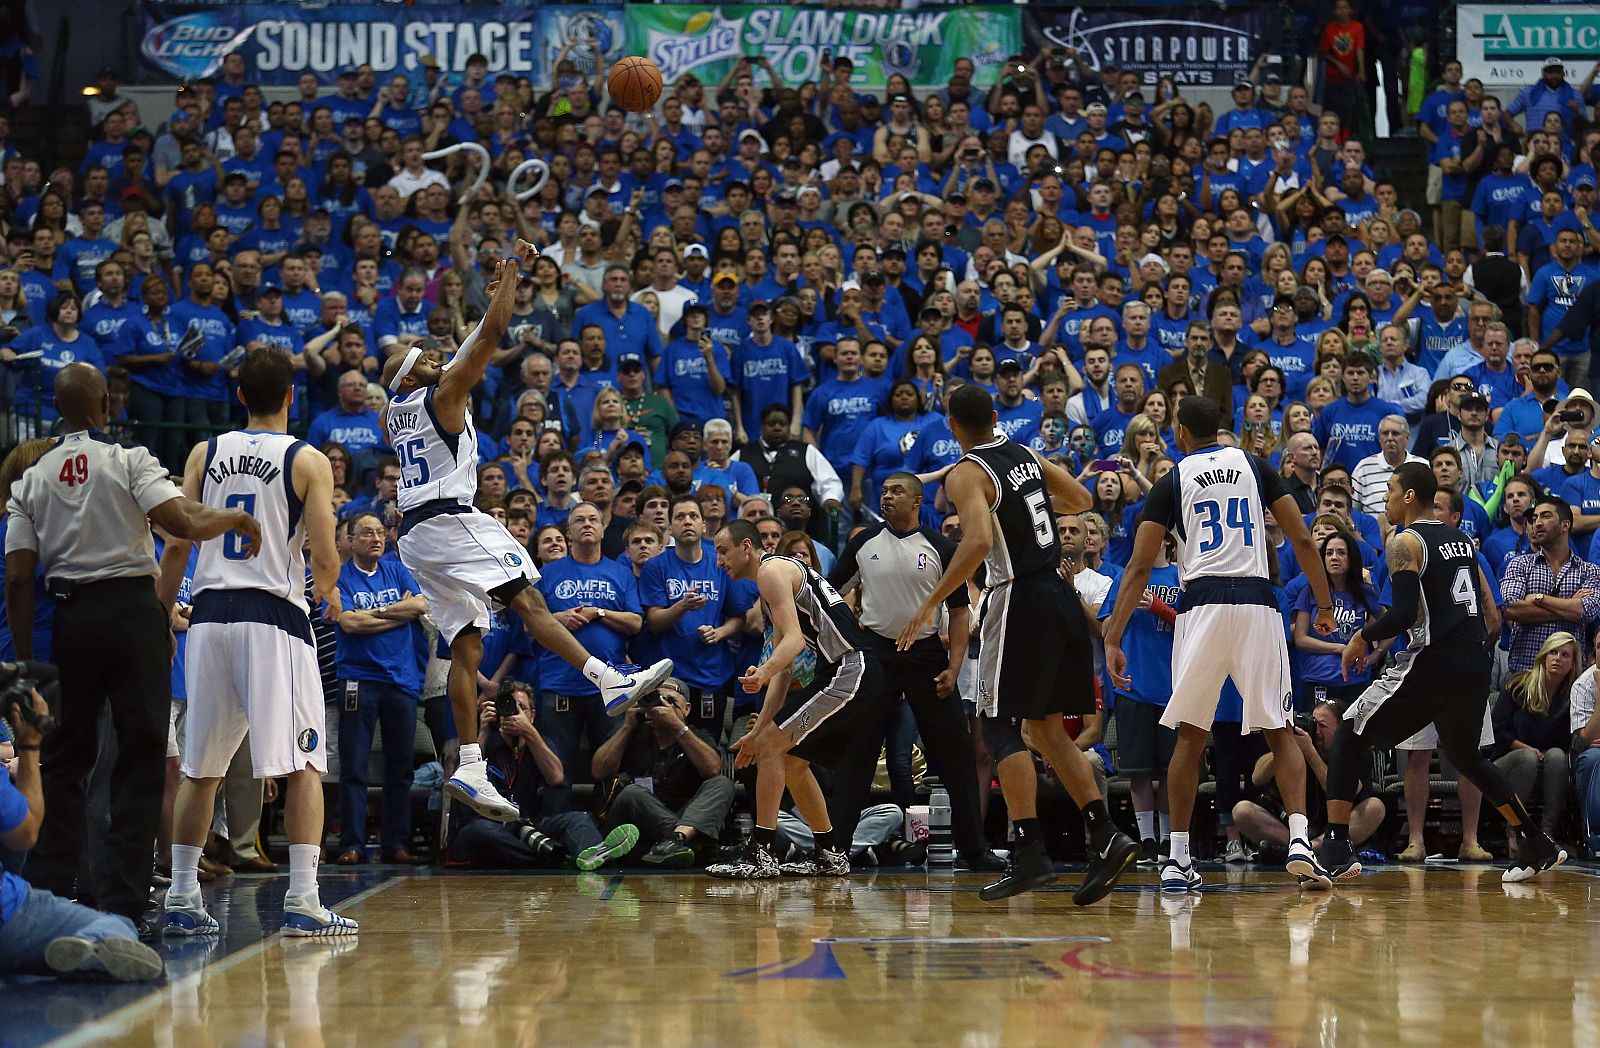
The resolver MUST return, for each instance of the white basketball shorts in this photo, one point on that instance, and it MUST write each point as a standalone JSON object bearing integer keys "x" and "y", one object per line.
{"x": 252, "y": 677}
{"x": 1428, "y": 738}
{"x": 457, "y": 560}
{"x": 1213, "y": 642}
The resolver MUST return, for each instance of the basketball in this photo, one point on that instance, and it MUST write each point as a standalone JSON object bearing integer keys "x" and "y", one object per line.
{"x": 635, "y": 83}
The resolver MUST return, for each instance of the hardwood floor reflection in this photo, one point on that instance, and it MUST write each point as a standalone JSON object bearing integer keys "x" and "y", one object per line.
{"x": 1442, "y": 956}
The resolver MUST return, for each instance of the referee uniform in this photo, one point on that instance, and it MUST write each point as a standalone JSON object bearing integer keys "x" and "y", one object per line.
{"x": 82, "y": 510}
{"x": 896, "y": 571}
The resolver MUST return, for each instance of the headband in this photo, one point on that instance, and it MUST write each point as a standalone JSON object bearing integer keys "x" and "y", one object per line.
{"x": 412, "y": 356}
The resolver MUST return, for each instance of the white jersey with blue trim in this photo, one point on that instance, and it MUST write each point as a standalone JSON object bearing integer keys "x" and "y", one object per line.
{"x": 435, "y": 465}
{"x": 1214, "y": 503}
{"x": 253, "y": 471}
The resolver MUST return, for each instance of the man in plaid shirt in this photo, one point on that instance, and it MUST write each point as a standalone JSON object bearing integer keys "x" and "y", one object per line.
{"x": 1551, "y": 588}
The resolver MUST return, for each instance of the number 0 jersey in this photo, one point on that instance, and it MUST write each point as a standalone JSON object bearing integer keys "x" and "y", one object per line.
{"x": 254, "y": 471}
{"x": 1025, "y": 540}
{"x": 1451, "y": 614}
{"x": 435, "y": 464}
{"x": 1214, "y": 504}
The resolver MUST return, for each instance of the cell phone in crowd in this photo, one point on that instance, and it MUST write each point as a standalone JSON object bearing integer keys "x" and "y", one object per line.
{"x": 1106, "y": 465}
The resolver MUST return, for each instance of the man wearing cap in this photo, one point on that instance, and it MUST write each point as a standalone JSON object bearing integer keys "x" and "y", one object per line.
{"x": 345, "y": 100}
{"x": 767, "y": 370}
{"x": 1245, "y": 113}
{"x": 1551, "y": 94}
{"x": 693, "y": 370}
{"x": 1016, "y": 415}
{"x": 648, "y": 412}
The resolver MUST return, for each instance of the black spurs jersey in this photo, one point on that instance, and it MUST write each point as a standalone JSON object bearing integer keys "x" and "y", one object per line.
{"x": 1451, "y": 615}
{"x": 826, "y": 621}
{"x": 1025, "y": 540}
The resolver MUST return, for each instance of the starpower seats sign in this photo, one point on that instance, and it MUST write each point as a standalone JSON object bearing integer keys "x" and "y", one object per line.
{"x": 1509, "y": 44}
{"x": 919, "y": 45}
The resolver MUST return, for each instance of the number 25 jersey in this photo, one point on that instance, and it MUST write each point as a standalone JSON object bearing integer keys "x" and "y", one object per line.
{"x": 1214, "y": 504}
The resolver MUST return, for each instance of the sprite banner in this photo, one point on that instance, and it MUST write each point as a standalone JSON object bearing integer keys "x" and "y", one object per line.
{"x": 1508, "y": 44}
{"x": 921, "y": 45}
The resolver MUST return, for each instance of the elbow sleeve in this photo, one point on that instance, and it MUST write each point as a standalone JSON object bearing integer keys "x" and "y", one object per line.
{"x": 1407, "y": 588}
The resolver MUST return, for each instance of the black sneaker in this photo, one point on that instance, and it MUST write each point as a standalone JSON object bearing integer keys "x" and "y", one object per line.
{"x": 756, "y": 864}
{"x": 980, "y": 860}
{"x": 1339, "y": 860}
{"x": 1105, "y": 866}
{"x": 1148, "y": 856}
{"x": 1028, "y": 867}
{"x": 669, "y": 854}
{"x": 822, "y": 862}
{"x": 1536, "y": 853}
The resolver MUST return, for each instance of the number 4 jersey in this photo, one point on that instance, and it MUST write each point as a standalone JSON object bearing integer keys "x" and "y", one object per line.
{"x": 1025, "y": 540}
{"x": 253, "y": 471}
{"x": 1451, "y": 615}
{"x": 1213, "y": 503}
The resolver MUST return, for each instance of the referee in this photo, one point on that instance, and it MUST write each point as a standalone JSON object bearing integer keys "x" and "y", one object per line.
{"x": 896, "y": 564}
{"x": 83, "y": 513}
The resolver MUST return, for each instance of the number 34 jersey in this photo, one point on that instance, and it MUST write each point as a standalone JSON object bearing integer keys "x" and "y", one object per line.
{"x": 1025, "y": 540}
{"x": 254, "y": 471}
{"x": 1213, "y": 503}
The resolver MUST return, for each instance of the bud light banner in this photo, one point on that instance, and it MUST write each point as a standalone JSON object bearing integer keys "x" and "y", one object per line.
{"x": 281, "y": 42}
{"x": 1193, "y": 45}
{"x": 921, "y": 45}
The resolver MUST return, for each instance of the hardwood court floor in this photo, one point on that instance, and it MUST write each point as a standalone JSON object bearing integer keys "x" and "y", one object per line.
{"x": 1442, "y": 955}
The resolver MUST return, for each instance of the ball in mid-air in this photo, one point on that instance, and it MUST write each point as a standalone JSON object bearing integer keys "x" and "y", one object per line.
{"x": 635, "y": 83}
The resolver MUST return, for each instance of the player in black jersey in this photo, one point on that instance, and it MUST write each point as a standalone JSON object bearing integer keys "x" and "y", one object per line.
{"x": 1441, "y": 675}
{"x": 823, "y": 704}
{"x": 1036, "y": 661}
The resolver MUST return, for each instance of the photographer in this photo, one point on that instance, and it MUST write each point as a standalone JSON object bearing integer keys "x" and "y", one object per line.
{"x": 41, "y": 933}
{"x": 525, "y": 769}
{"x": 678, "y": 795}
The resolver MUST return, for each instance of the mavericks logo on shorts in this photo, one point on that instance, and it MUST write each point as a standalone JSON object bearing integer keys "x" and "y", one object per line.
{"x": 513, "y": 560}
{"x": 308, "y": 740}
{"x": 1288, "y": 702}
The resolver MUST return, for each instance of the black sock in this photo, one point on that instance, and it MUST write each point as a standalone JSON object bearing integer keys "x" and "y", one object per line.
{"x": 1097, "y": 819}
{"x": 1337, "y": 832}
{"x": 823, "y": 840}
{"x": 763, "y": 836}
{"x": 1028, "y": 830}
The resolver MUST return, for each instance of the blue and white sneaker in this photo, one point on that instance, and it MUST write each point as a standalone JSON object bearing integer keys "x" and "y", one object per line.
{"x": 186, "y": 915}
{"x": 304, "y": 915}
{"x": 621, "y": 690}
{"x": 1178, "y": 879}
{"x": 471, "y": 786}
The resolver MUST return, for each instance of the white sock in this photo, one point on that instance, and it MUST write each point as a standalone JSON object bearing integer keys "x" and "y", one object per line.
{"x": 185, "y": 869}
{"x": 303, "y": 867}
{"x": 1299, "y": 828}
{"x": 470, "y": 753}
{"x": 595, "y": 670}
{"x": 1164, "y": 820}
{"x": 1147, "y": 824}
{"x": 1180, "y": 847}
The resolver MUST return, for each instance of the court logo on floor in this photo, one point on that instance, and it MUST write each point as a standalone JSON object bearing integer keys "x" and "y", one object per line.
{"x": 922, "y": 958}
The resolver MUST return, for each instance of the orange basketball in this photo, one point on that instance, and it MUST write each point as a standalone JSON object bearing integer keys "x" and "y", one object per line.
{"x": 635, "y": 83}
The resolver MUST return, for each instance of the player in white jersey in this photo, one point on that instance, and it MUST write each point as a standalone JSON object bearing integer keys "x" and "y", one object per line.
{"x": 463, "y": 559}
{"x": 1214, "y": 502}
{"x": 251, "y": 661}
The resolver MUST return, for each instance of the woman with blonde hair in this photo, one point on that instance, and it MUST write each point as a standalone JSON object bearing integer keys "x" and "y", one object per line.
{"x": 1532, "y": 727}
{"x": 1142, "y": 446}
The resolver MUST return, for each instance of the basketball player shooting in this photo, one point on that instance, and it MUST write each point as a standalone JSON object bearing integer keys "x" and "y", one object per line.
{"x": 1214, "y": 503}
{"x": 461, "y": 558}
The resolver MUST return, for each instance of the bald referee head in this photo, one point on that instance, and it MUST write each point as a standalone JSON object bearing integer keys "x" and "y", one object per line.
{"x": 81, "y": 397}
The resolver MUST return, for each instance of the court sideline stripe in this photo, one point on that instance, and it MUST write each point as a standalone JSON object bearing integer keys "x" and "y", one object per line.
{"x": 116, "y": 1022}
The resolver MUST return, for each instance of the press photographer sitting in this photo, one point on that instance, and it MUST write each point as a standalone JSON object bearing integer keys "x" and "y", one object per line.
{"x": 41, "y": 933}
{"x": 525, "y": 769}
{"x": 678, "y": 796}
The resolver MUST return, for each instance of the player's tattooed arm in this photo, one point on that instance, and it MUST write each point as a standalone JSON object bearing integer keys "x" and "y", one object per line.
{"x": 1401, "y": 553}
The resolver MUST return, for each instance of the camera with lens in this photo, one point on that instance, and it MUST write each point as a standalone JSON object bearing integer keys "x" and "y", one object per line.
{"x": 651, "y": 701}
{"x": 17, "y": 680}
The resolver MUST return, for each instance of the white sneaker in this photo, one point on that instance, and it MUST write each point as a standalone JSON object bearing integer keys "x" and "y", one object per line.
{"x": 1235, "y": 853}
{"x": 620, "y": 690}
{"x": 121, "y": 960}
{"x": 186, "y": 915}
{"x": 304, "y": 915}
{"x": 1304, "y": 865}
{"x": 1177, "y": 879}
{"x": 471, "y": 786}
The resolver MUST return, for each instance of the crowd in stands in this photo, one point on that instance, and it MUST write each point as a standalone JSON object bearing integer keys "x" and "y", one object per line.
{"x": 760, "y": 295}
